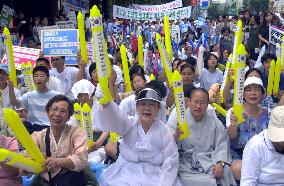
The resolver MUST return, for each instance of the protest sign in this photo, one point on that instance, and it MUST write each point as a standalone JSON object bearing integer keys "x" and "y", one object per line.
{"x": 157, "y": 8}
{"x": 77, "y": 5}
{"x": 60, "y": 42}
{"x": 39, "y": 29}
{"x": 6, "y": 15}
{"x": 128, "y": 13}
{"x": 23, "y": 54}
{"x": 66, "y": 24}
{"x": 175, "y": 33}
{"x": 71, "y": 60}
{"x": 275, "y": 35}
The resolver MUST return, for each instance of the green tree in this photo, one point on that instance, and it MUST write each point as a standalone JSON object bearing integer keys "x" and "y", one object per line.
{"x": 256, "y": 6}
{"x": 213, "y": 11}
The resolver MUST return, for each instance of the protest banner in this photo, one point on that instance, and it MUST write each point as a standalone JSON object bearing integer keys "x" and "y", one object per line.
{"x": 175, "y": 33}
{"x": 23, "y": 54}
{"x": 275, "y": 35}
{"x": 128, "y": 13}
{"x": 66, "y": 24}
{"x": 39, "y": 29}
{"x": 59, "y": 42}
{"x": 157, "y": 8}
{"x": 6, "y": 15}
{"x": 77, "y": 5}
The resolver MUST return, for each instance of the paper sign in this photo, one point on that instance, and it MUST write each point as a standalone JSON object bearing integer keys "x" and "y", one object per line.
{"x": 66, "y": 24}
{"x": 175, "y": 33}
{"x": 23, "y": 54}
{"x": 275, "y": 35}
{"x": 39, "y": 29}
{"x": 157, "y": 8}
{"x": 60, "y": 42}
{"x": 6, "y": 15}
{"x": 128, "y": 13}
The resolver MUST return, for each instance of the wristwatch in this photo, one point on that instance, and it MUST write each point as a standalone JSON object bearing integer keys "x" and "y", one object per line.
{"x": 222, "y": 163}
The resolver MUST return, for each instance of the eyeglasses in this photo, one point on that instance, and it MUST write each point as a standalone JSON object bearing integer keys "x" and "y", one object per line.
{"x": 59, "y": 110}
{"x": 199, "y": 102}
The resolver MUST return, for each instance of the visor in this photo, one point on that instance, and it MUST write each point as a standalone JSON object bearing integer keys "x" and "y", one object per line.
{"x": 148, "y": 94}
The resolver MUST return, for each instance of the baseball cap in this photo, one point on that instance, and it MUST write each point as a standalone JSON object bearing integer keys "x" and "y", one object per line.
{"x": 276, "y": 125}
{"x": 254, "y": 80}
{"x": 4, "y": 67}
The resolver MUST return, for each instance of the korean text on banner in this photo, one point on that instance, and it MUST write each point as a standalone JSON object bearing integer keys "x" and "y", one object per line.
{"x": 22, "y": 54}
{"x": 157, "y": 8}
{"x": 275, "y": 35}
{"x": 66, "y": 24}
{"x": 128, "y": 13}
{"x": 60, "y": 42}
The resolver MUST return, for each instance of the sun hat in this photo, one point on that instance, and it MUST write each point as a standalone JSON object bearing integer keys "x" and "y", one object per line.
{"x": 276, "y": 125}
{"x": 148, "y": 94}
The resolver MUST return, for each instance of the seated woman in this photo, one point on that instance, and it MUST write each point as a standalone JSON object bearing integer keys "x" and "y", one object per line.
{"x": 148, "y": 152}
{"x": 64, "y": 146}
{"x": 9, "y": 175}
{"x": 256, "y": 120}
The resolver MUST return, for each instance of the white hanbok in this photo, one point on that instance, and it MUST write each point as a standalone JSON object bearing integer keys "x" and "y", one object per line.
{"x": 149, "y": 159}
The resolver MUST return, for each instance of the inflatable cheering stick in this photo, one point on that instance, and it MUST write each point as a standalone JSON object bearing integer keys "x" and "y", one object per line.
{"x": 81, "y": 28}
{"x": 125, "y": 68}
{"x": 180, "y": 104}
{"x": 100, "y": 54}
{"x": 87, "y": 120}
{"x": 140, "y": 51}
{"x": 10, "y": 56}
{"x": 78, "y": 115}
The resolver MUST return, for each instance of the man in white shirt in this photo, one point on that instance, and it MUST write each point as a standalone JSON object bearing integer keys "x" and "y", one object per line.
{"x": 263, "y": 156}
{"x": 4, "y": 76}
{"x": 67, "y": 75}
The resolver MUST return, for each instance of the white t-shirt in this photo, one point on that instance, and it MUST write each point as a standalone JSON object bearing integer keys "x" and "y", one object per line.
{"x": 54, "y": 84}
{"x": 68, "y": 78}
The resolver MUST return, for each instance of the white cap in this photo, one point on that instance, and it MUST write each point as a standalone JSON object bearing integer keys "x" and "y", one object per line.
{"x": 276, "y": 125}
{"x": 254, "y": 80}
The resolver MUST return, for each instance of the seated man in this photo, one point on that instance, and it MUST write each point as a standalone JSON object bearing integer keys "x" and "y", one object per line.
{"x": 205, "y": 155}
{"x": 36, "y": 100}
{"x": 263, "y": 157}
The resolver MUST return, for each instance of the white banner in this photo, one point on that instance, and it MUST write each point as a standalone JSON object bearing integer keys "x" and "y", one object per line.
{"x": 128, "y": 13}
{"x": 66, "y": 24}
{"x": 275, "y": 35}
{"x": 157, "y": 8}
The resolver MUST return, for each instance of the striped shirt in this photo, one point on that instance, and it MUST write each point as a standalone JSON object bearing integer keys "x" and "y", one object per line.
{"x": 35, "y": 103}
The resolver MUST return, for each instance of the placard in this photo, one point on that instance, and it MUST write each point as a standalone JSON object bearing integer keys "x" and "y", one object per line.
{"x": 275, "y": 35}
{"x": 39, "y": 29}
{"x": 175, "y": 33}
{"x": 157, "y": 8}
{"x": 6, "y": 15}
{"x": 128, "y": 13}
{"x": 60, "y": 42}
{"x": 66, "y": 24}
{"x": 23, "y": 54}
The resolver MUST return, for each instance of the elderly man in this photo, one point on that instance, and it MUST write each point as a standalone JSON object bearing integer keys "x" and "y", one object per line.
{"x": 263, "y": 157}
{"x": 205, "y": 155}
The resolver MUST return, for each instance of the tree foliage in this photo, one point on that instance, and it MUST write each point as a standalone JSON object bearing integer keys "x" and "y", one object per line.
{"x": 213, "y": 11}
{"x": 256, "y": 6}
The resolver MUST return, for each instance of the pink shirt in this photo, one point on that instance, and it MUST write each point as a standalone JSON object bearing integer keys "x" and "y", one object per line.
{"x": 9, "y": 177}
{"x": 72, "y": 144}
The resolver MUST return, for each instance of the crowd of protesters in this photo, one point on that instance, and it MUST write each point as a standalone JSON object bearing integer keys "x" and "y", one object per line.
{"x": 220, "y": 151}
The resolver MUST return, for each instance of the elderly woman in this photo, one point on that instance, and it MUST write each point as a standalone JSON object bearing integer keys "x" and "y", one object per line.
{"x": 148, "y": 152}
{"x": 64, "y": 146}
